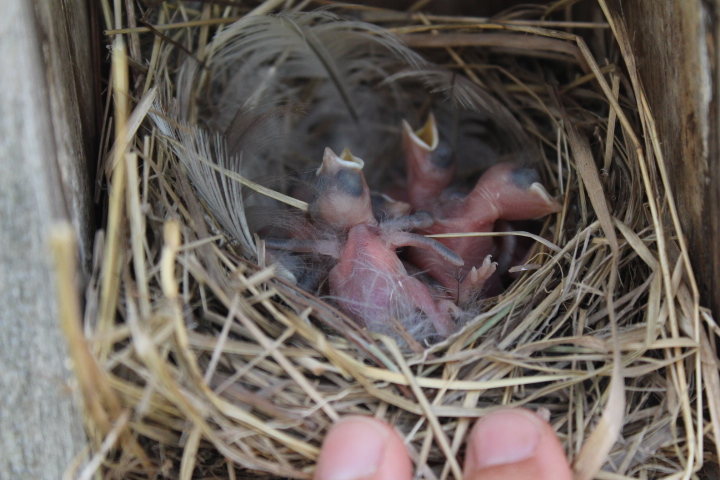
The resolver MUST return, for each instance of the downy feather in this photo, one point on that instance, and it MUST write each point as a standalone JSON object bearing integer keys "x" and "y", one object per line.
{"x": 204, "y": 157}
{"x": 314, "y": 45}
{"x": 463, "y": 93}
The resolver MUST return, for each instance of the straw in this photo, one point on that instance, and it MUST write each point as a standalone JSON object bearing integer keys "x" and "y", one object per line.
{"x": 202, "y": 363}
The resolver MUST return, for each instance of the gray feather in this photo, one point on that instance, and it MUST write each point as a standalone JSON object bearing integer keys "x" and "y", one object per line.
{"x": 463, "y": 93}
{"x": 315, "y": 45}
{"x": 204, "y": 157}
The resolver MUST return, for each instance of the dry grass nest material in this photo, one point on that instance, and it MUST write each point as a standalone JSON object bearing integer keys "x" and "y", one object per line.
{"x": 195, "y": 362}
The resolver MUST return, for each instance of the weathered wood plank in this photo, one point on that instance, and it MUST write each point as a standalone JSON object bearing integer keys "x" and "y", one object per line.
{"x": 63, "y": 30}
{"x": 677, "y": 44}
{"x": 43, "y": 178}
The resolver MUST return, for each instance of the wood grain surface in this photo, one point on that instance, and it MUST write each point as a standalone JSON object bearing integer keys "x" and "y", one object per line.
{"x": 45, "y": 101}
{"x": 676, "y": 46}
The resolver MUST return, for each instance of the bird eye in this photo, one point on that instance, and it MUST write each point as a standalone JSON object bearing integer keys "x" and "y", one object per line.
{"x": 525, "y": 177}
{"x": 442, "y": 157}
{"x": 349, "y": 182}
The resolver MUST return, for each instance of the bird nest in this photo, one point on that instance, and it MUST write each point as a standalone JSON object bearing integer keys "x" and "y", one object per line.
{"x": 204, "y": 358}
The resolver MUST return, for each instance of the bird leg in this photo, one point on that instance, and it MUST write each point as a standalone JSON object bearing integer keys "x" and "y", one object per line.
{"x": 330, "y": 248}
{"x": 417, "y": 221}
{"x": 472, "y": 284}
{"x": 407, "y": 239}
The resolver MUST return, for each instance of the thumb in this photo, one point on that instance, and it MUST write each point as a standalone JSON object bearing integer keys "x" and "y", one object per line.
{"x": 515, "y": 444}
{"x": 363, "y": 448}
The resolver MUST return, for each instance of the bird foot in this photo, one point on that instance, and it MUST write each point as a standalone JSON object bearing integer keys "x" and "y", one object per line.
{"x": 473, "y": 283}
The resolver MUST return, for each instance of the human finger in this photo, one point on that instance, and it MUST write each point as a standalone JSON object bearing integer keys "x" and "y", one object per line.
{"x": 363, "y": 448}
{"x": 515, "y": 444}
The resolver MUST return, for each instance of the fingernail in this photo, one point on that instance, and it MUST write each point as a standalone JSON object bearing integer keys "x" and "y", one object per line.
{"x": 352, "y": 450}
{"x": 504, "y": 437}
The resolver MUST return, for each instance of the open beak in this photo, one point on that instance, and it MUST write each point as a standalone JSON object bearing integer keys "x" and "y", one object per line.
{"x": 342, "y": 197}
{"x": 429, "y": 162}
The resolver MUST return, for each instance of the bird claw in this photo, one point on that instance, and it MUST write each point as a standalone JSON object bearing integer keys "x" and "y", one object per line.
{"x": 450, "y": 307}
{"x": 474, "y": 281}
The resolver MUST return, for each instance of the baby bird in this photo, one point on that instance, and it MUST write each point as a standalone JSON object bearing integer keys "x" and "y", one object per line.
{"x": 506, "y": 191}
{"x": 429, "y": 162}
{"x": 369, "y": 282}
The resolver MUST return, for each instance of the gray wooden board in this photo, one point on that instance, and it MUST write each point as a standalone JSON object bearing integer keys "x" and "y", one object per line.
{"x": 43, "y": 179}
{"x": 676, "y": 44}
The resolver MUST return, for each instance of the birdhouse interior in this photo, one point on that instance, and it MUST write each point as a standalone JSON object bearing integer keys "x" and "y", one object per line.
{"x": 420, "y": 211}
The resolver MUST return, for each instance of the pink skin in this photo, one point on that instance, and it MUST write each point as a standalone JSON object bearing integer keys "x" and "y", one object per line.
{"x": 369, "y": 281}
{"x": 430, "y": 169}
{"x": 385, "y": 207}
{"x": 505, "y": 192}
{"x": 509, "y": 444}
{"x": 343, "y": 195}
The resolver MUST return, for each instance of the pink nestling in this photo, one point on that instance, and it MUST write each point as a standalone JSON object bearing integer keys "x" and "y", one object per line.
{"x": 429, "y": 163}
{"x": 369, "y": 281}
{"x": 506, "y": 191}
